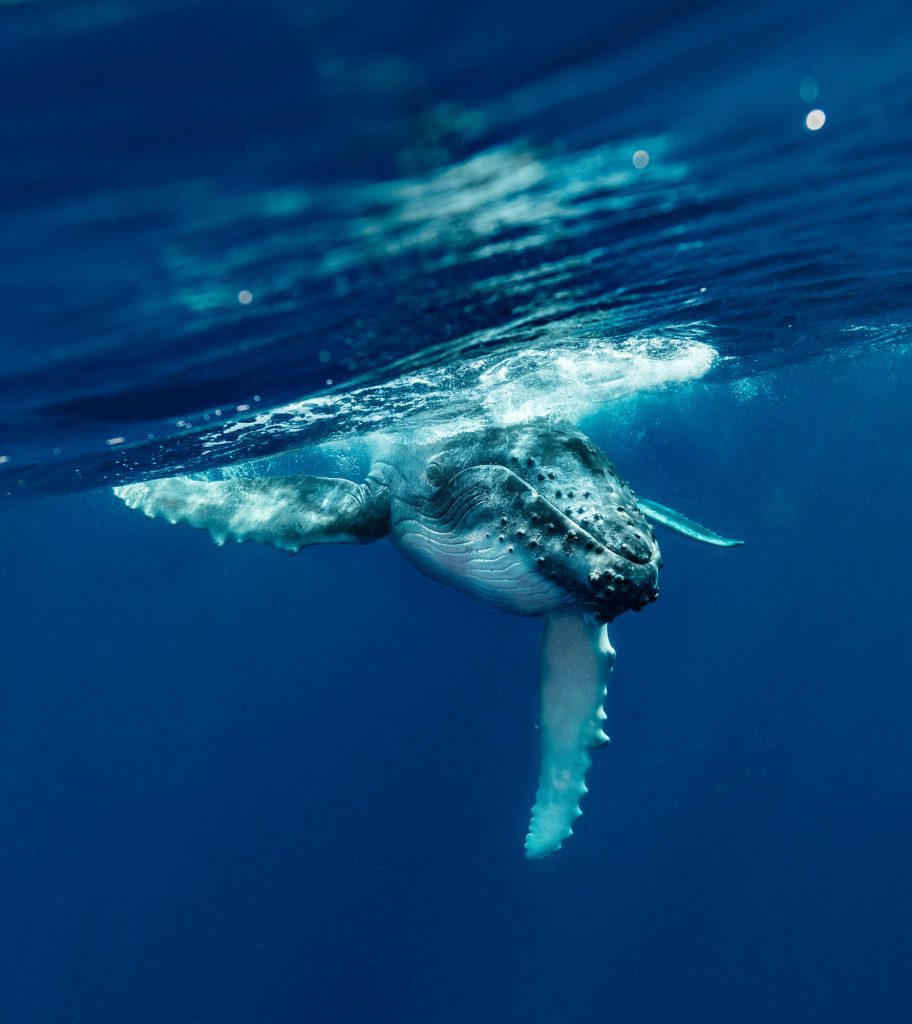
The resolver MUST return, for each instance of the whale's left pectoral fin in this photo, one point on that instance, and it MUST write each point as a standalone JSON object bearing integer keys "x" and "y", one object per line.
{"x": 673, "y": 520}
{"x": 576, "y": 661}
{"x": 288, "y": 512}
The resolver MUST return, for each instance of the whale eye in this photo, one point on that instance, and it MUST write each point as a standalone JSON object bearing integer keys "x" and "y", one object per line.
{"x": 434, "y": 474}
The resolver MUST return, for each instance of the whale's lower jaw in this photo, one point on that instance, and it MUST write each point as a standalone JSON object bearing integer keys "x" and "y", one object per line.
{"x": 482, "y": 564}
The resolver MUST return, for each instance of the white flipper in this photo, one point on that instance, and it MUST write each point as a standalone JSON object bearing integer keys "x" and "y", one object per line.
{"x": 287, "y": 512}
{"x": 576, "y": 661}
{"x": 681, "y": 524}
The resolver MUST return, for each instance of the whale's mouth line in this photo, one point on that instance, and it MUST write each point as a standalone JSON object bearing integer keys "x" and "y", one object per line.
{"x": 572, "y": 526}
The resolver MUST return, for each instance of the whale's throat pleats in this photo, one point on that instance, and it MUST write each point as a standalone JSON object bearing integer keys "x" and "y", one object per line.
{"x": 477, "y": 534}
{"x": 576, "y": 661}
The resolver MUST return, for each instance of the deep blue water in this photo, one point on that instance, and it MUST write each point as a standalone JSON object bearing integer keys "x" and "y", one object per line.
{"x": 237, "y": 786}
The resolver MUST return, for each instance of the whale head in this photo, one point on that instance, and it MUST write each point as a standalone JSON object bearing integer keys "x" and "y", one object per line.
{"x": 529, "y": 519}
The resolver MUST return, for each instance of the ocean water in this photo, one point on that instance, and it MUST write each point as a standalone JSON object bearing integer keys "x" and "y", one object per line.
{"x": 239, "y": 786}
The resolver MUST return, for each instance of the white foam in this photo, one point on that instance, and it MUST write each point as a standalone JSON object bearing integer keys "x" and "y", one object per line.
{"x": 578, "y": 381}
{"x": 563, "y": 377}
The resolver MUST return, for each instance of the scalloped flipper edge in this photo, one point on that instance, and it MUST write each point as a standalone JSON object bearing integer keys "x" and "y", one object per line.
{"x": 576, "y": 661}
{"x": 287, "y": 512}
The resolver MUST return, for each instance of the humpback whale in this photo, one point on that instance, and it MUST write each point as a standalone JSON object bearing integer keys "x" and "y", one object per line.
{"x": 533, "y": 519}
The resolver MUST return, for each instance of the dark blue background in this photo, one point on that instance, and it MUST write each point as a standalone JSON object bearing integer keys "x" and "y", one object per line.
{"x": 236, "y": 785}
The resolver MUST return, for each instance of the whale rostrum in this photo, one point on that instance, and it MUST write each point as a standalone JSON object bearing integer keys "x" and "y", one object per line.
{"x": 533, "y": 519}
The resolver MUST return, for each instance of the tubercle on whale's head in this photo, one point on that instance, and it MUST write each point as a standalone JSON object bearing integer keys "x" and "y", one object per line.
{"x": 559, "y": 506}
{"x": 606, "y": 566}
{"x": 622, "y": 587}
{"x": 598, "y": 544}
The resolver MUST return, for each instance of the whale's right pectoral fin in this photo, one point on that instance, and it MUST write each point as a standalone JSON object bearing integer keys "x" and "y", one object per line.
{"x": 288, "y": 512}
{"x": 686, "y": 527}
{"x": 576, "y": 661}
